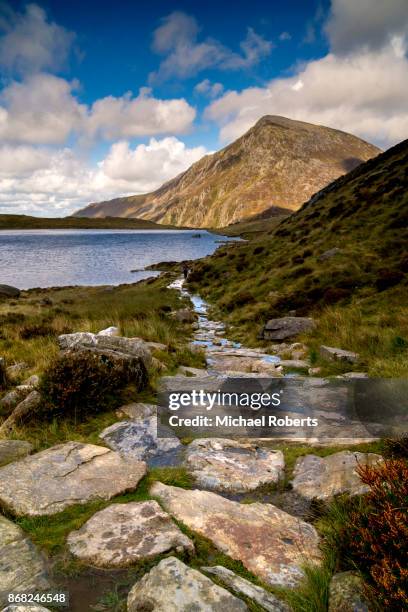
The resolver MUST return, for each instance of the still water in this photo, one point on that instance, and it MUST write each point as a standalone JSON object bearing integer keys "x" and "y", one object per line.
{"x": 50, "y": 258}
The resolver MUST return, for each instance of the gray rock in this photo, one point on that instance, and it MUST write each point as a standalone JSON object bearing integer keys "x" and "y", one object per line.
{"x": 355, "y": 375}
{"x": 7, "y": 291}
{"x": 23, "y": 411}
{"x": 241, "y": 586}
{"x": 230, "y": 363}
{"x": 127, "y": 346}
{"x": 185, "y": 315}
{"x": 157, "y": 346}
{"x": 336, "y": 354}
{"x": 109, "y": 331}
{"x": 227, "y": 465}
{"x": 329, "y": 254}
{"x": 187, "y": 371}
{"x": 22, "y": 568}
{"x": 138, "y": 439}
{"x": 172, "y": 586}
{"x": 286, "y": 327}
{"x": 324, "y": 477}
{"x": 138, "y": 410}
{"x": 125, "y": 533}
{"x": 64, "y": 475}
{"x": 346, "y": 593}
{"x": 15, "y": 396}
{"x": 270, "y": 543}
{"x": 294, "y": 363}
{"x": 32, "y": 381}
{"x": 13, "y": 450}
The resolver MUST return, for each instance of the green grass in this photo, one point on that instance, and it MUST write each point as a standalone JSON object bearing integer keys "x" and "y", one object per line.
{"x": 11, "y": 222}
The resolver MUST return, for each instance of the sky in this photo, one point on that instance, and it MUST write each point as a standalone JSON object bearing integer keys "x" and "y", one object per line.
{"x": 105, "y": 99}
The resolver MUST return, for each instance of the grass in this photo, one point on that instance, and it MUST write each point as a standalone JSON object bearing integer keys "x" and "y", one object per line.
{"x": 12, "y": 222}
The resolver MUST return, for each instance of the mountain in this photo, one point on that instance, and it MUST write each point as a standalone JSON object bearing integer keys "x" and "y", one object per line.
{"x": 278, "y": 162}
{"x": 342, "y": 258}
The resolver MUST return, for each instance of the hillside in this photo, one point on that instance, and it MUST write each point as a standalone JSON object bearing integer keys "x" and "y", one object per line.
{"x": 342, "y": 258}
{"x": 278, "y": 162}
{"x": 15, "y": 222}
{"x": 256, "y": 224}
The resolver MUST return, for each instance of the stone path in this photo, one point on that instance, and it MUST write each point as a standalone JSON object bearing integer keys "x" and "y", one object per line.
{"x": 122, "y": 534}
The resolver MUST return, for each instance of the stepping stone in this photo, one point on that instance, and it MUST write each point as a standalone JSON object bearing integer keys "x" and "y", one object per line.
{"x": 13, "y": 450}
{"x": 22, "y": 567}
{"x": 270, "y": 543}
{"x": 227, "y": 465}
{"x": 138, "y": 440}
{"x": 172, "y": 586}
{"x": 241, "y": 586}
{"x": 66, "y": 474}
{"x": 137, "y": 410}
{"x": 125, "y": 533}
{"x": 324, "y": 477}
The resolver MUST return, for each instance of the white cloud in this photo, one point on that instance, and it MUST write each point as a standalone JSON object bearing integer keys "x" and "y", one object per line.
{"x": 368, "y": 24}
{"x": 284, "y": 36}
{"x": 54, "y": 183}
{"x": 39, "y": 110}
{"x": 206, "y": 88}
{"x": 177, "y": 38}
{"x": 143, "y": 115}
{"x": 30, "y": 43}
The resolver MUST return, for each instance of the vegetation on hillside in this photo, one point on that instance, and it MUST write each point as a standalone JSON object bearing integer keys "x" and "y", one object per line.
{"x": 342, "y": 258}
{"x": 21, "y": 222}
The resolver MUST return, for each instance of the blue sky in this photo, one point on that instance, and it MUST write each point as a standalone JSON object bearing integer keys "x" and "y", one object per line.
{"x": 100, "y": 99}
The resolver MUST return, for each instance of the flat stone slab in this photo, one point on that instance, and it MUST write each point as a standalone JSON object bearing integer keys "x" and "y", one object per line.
{"x": 138, "y": 440}
{"x": 13, "y": 450}
{"x": 172, "y": 586}
{"x": 22, "y": 567}
{"x": 324, "y": 477}
{"x": 227, "y": 465}
{"x": 125, "y": 533}
{"x": 269, "y": 542}
{"x": 241, "y": 586}
{"x": 66, "y": 474}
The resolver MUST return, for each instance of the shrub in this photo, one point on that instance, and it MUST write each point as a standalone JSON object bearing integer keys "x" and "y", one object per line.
{"x": 377, "y": 535}
{"x": 397, "y": 447}
{"x": 80, "y": 383}
{"x": 388, "y": 278}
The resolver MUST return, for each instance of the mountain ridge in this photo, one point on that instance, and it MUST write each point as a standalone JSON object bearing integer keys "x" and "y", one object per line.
{"x": 278, "y": 162}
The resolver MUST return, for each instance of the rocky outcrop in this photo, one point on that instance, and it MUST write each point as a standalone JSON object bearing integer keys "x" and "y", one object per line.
{"x": 227, "y": 465}
{"x": 13, "y": 450}
{"x": 270, "y": 543}
{"x": 278, "y": 160}
{"x": 346, "y": 593}
{"x": 324, "y": 477}
{"x": 285, "y": 328}
{"x": 134, "y": 347}
{"x": 122, "y": 534}
{"x": 241, "y": 586}
{"x": 22, "y": 568}
{"x": 336, "y": 354}
{"x": 138, "y": 439}
{"x": 172, "y": 586}
{"x": 66, "y": 474}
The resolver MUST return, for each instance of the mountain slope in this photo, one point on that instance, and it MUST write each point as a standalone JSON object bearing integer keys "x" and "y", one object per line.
{"x": 343, "y": 257}
{"x": 278, "y": 162}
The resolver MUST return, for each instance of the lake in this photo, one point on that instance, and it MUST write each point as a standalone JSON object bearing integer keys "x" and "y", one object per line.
{"x": 51, "y": 258}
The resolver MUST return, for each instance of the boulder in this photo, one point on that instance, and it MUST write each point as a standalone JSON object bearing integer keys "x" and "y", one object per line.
{"x": 13, "y": 450}
{"x": 15, "y": 396}
{"x": 22, "y": 412}
{"x": 137, "y": 410}
{"x": 64, "y": 475}
{"x": 227, "y": 465}
{"x": 346, "y": 593}
{"x": 185, "y": 315}
{"x": 287, "y": 327}
{"x": 270, "y": 543}
{"x": 228, "y": 363}
{"x": 324, "y": 477}
{"x": 109, "y": 331}
{"x": 157, "y": 346}
{"x": 22, "y": 567}
{"x": 134, "y": 347}
{"x": 6, "y": 291}
{"x": 138, "y": 439}
{"x": 123, "y": 534}
{"x": 241, "y": 586}
{"x": 172, "y": 586}
{"x": 32, "y": 381}
{"x": 336, "y": 354}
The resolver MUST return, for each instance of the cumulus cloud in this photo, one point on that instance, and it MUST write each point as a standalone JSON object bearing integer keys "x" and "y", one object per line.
{"x": 284, "y": 36}
{"x": 363, "y": 92}
{"x": 143, "y": 115}
{"x": 31, "y": 43}
{"x": 211, "y": 90}
{"x": 47, "y": 182}
{"x": 186, "y": 55}
{"x": 369, "y": 24}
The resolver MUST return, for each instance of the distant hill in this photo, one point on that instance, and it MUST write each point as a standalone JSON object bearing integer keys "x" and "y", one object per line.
{"x": 10, "y": 222}
{"x": 257, "y": 224}
{"x": 278, "y": 162}
{"x": 346, "y": 249}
